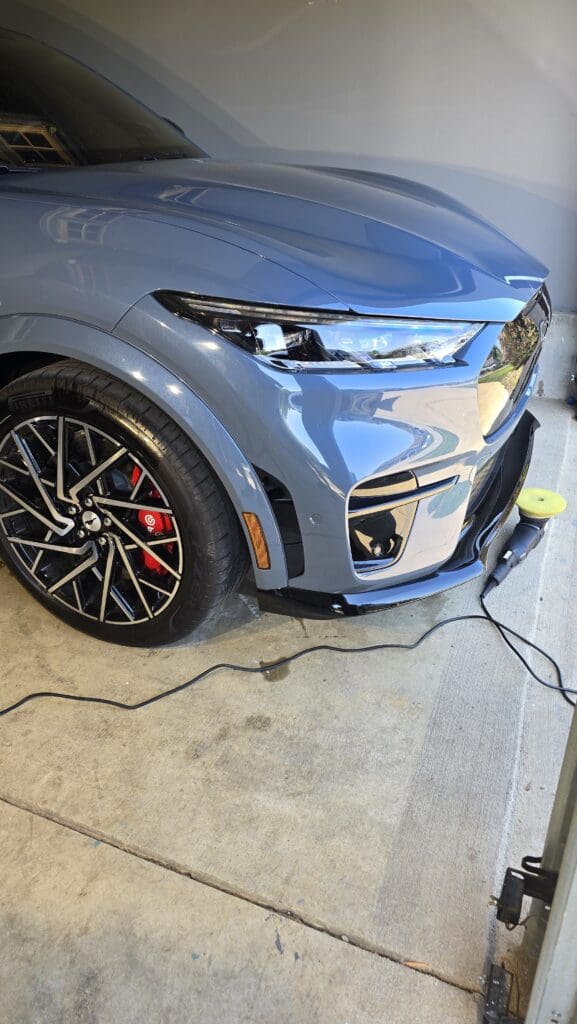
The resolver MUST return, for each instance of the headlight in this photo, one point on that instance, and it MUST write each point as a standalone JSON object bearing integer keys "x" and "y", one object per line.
{"x": 299, "y": 339}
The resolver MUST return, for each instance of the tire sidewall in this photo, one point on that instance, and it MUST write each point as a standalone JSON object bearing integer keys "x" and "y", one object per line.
{"x": 191, "y": 604}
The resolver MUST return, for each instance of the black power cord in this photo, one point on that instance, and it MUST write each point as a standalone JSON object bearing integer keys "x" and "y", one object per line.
{"x": 501, "y": 628}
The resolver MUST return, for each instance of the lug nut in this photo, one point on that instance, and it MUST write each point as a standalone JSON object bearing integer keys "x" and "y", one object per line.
{"x": 103, "y": 541}
{"x": 82, "y": 534}
{"x": 107, "y": 521}
{"x": 88, "y": 503}
{"x": 72, "y": 510}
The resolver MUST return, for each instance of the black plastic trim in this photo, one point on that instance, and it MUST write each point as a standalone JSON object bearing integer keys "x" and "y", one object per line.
{"x": 287, "y": 521}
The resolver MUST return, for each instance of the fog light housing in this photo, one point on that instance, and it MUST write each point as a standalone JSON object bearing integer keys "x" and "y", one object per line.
{"x": 381, "y": 536}
{"x": 380, "y": 516}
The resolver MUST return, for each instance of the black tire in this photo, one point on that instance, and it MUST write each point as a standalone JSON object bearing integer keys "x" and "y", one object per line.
{"x": 204, "y": 553}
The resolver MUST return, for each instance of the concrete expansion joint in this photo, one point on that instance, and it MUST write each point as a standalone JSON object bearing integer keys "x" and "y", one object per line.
{"x": 355, "y": 941}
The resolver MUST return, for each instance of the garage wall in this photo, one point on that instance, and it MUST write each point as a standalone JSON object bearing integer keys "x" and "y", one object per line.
{"x": 478, "y": 97}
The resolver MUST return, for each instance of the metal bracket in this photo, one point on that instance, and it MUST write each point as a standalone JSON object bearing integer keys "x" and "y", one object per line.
{"x": 531, "y": 880}
{"x": 498, "y": 997}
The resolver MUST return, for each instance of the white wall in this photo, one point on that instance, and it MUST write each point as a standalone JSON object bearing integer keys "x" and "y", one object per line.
{"x": 478, "y": 97}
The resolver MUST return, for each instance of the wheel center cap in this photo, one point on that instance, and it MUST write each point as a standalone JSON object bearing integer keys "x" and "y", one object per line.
{"x": 92, "y": 521}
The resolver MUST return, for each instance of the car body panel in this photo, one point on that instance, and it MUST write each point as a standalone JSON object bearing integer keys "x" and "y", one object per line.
{"x": 323, "y": 433}
{"x": 92, "y": 262}
{"x": 318, "y": 433}
{"x": 371, "y": 243}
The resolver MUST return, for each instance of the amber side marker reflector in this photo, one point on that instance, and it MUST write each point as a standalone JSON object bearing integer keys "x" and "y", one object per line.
{"x": 258, "y": 540}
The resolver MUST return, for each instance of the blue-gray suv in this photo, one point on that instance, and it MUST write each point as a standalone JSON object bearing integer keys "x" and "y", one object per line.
{"x": 317, "y": 375}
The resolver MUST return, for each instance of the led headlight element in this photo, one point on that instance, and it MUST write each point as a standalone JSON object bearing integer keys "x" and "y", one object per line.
{"x": 298, "y": 339}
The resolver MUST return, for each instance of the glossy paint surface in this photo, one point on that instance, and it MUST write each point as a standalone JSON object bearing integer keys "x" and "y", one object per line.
{"x": 82, "y": 250}
{"x": 362, "y": 241}
{"x": 323, "y": 433}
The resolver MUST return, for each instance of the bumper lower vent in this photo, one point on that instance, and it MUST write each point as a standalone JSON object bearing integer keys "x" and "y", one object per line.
{"x": 288, "y": 524}
{"x": 380, "y": 517}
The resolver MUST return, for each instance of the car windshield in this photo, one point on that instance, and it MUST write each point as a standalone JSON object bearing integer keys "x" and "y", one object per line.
{"x": 54, "y": 112}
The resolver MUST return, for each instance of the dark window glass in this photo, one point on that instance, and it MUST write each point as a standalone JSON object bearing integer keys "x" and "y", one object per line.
{"x": 56, "y": 112}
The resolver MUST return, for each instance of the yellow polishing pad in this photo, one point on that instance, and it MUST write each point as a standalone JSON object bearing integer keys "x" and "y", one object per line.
{"x": 539, "y": 503}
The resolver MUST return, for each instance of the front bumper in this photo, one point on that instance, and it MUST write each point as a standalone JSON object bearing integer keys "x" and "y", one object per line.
{"x": 308, "y": 444}
{"x": 487, "y": 513}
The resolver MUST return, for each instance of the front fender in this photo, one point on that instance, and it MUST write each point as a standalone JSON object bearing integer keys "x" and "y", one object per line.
{"x": 73, "y": 340}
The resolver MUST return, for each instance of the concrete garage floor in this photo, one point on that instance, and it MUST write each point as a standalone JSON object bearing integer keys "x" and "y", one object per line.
{"x": 317, "y": 846}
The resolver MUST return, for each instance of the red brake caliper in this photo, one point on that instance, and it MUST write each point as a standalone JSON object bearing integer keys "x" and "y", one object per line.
{"x": 155, "y": 523}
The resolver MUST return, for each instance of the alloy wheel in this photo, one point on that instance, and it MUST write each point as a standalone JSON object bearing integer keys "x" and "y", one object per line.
{"x": 89, "y": 523}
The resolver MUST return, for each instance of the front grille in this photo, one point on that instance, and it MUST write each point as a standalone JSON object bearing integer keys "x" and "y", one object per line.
{"x": 510, "y": 363}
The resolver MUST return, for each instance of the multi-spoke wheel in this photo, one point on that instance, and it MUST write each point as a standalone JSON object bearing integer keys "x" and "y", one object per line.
{"x": 107, "y": 512}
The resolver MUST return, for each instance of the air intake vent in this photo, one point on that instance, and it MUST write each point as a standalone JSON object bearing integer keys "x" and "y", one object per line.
{"x": 385, "y": 488}
{"x": 288, "y": 524}
{"x": 381, "y": 514}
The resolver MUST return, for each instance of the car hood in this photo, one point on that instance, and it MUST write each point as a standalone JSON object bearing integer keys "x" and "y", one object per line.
{"x": 373, "y": 243}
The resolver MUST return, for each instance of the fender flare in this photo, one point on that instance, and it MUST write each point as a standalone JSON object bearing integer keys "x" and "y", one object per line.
{"x": 72, "y": 339}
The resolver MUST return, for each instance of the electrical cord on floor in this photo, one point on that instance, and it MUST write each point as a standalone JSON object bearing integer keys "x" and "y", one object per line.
{"x": 501, "y": 628}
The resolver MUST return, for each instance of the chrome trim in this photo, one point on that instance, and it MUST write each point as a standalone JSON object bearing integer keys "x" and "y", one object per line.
{"x": 418, "y": 494}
